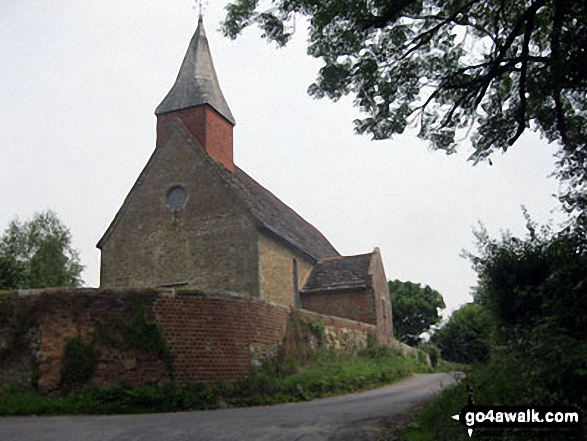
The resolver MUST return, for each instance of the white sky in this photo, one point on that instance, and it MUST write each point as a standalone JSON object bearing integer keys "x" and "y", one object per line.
{"x": 79, "y": 83}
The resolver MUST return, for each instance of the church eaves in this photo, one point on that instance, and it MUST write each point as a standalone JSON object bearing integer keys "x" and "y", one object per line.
{"x": 196, "y": 82}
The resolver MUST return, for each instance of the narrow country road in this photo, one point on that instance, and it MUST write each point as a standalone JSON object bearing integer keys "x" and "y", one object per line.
{"x": 348, "y": 417}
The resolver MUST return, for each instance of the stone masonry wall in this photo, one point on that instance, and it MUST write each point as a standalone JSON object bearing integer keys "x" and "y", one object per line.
{"x": 339, "y": 333}
{"x": 207, "y": 243}
{"x": 382, "y": 300}
{"x": 276, "y": 271}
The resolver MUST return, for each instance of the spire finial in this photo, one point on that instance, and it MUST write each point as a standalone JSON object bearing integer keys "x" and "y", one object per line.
{"x": 196, "y": 82}
{"x": 201, "y": 6}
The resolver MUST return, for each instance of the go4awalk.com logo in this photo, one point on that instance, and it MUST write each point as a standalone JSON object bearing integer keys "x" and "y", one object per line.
{"x": 559, "y": 418}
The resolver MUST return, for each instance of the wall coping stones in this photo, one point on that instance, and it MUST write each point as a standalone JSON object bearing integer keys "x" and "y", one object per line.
{"x": 334, "y": 317}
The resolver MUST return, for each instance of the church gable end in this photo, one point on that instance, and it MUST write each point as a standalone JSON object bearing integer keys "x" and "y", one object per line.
{"x": 382, "y": 299}
{"x": 181, "y": 224}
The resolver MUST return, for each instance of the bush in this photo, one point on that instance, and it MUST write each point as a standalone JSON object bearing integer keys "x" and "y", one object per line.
{"x": 433, "y": 352}
{"x": 468, "y": 335}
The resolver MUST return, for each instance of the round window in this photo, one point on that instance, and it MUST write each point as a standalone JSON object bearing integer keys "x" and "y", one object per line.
{"x": 176, "y": 198}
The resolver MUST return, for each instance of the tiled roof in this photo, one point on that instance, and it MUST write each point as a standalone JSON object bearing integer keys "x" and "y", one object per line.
{"x": 274, "y": 216}
{"x": 339, "y": 273}
{"x": 279, "y": 219}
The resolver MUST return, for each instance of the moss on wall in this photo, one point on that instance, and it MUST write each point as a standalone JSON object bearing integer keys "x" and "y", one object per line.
{"x": 134, "y": 330}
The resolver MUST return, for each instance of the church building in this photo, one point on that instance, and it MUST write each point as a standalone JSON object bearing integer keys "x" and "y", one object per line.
{"x": 194, "y": 219}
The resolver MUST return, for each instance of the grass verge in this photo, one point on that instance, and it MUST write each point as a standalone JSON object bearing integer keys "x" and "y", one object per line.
{"x": 497, "y": 383}
{"x": 326, "y": 374}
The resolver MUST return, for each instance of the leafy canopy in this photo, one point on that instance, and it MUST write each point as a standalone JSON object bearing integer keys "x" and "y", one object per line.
{"x": 467, "y": 337}
{"x": 38, "y": 254}
{"x": 535, "y": 288}
{"x": 492, "y": 68}
{"x": 414, "y": 309}
{"x": 534, "y": 280}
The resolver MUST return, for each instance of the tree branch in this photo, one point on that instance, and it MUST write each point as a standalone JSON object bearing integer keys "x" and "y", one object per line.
{"x": 380, "y": 21}
{"x": 521, "y": 110}
{"x": 555, "y": 71}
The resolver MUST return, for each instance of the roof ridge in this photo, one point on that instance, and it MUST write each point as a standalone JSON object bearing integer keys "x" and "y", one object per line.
{"x": 273, "y": 212}
{"x": 326, "y": 259}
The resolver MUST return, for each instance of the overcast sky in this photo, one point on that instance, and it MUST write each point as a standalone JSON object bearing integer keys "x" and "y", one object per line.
{"x": 79, "y": 83}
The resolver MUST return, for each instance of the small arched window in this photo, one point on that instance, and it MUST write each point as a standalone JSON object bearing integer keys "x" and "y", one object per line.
{"x": 296, "y": 289}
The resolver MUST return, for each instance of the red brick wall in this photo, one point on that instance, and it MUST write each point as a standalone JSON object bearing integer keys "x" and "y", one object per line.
{"x": 214, "y": 338}
{"x": 352, "y": 305}
{"x": 210, "y": 337}
{"x": 212, "y": 131}
{"x": 66, "y": 314}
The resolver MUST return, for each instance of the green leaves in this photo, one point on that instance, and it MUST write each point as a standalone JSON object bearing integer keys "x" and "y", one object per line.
{"x": 38, "y": 254}
{"x": 415, "y": 310}
{"x": 535, "y": 288}
{"x": 492, "y": 67}
{"x": 239, "y": 15}
{"x": 78, "y": 365}
{"x": 468, "y": 335}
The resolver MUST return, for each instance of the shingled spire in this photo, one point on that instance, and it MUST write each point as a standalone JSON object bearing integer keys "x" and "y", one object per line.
{"x": 197, "y": 100}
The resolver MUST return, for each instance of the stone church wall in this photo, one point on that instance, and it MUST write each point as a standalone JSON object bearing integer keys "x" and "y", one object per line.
{"x": 207, "y": 243}
{"x": 203, "y": 337}
{"x": 276, "y": 271}
{"x": 383, "y": 305}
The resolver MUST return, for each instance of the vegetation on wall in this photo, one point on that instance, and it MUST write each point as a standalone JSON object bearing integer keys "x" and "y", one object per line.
{"x": 18, "y": 318}
{"x": 78, "y": 364}
{"x": 134, "y": 330}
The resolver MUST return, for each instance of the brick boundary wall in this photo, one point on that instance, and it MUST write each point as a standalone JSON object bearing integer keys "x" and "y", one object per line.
{"x": 210, "y": 335}
{"x": 219, "y": 337}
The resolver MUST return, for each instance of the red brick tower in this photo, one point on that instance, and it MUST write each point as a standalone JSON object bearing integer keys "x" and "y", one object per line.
{"x": 196, "y": 99}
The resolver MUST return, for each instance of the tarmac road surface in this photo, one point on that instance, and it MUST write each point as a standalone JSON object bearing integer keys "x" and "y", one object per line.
{"x": 349, "y": 417}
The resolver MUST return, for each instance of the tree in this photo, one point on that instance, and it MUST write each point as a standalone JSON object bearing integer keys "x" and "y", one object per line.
{"x": 493, "y": 67}
{"x": 467, "y": 337}
{"x": 541, "y": 278}
{"x": 11, "y": 272}
{"x": 38, "y": 254}
{"x": 536, "y": 290}
{"x": 415, "y": 310}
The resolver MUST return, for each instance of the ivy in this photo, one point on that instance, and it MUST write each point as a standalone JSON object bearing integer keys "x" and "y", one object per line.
{"x": 136, "y": 332}
{"x": 78, "y": 364}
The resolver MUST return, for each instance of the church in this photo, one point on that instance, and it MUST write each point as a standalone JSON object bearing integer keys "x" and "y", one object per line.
{"x": 195, "y": 220}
